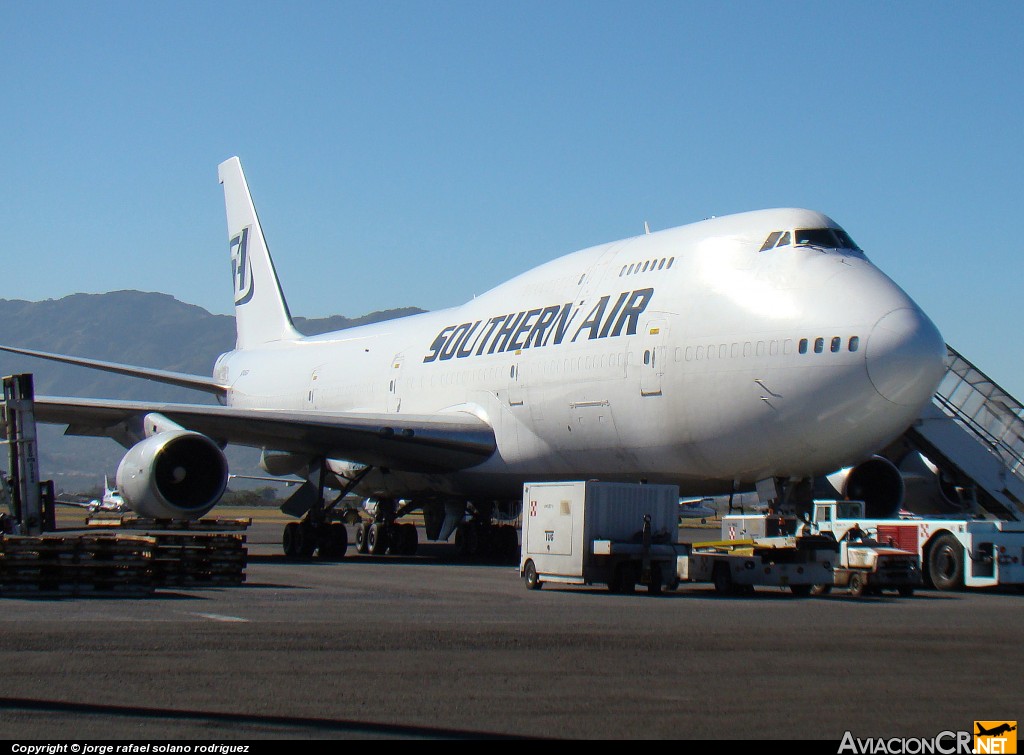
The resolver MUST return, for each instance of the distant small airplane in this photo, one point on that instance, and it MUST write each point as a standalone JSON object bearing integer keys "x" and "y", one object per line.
{"x": 697, "y": 508}
{"x": 111, "y": 501}
{"x": 995, "y": 731}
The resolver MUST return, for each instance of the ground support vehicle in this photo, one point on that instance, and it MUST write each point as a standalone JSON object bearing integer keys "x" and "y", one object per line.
{"x": 585, "y": 533}
{"x": 781, "y": 556}
{"x": 738, "y": 566}
{"x": 868, "y": 568}
{"x": 954, "y": 552}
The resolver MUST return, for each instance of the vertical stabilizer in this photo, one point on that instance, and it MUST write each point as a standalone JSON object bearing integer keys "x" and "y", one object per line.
{"x": 261, "y": 313}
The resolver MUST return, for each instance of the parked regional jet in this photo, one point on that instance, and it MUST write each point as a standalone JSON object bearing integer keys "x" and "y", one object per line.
{"x": 760, "y": 349}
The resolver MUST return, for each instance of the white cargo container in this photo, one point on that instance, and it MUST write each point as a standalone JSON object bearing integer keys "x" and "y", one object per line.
{"x": 593, "y": 532}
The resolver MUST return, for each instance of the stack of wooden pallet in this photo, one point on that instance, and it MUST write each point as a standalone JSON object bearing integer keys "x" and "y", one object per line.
{"x": 58, "y": 565}
{"x": 124, "y": 559}
{"x": 202, "y": 559}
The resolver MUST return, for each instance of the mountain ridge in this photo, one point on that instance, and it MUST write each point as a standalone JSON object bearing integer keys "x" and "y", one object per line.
{"x": 148, "y": 329}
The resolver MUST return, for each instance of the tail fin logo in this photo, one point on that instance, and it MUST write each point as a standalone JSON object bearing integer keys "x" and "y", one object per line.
{"x": 241, "y": 267}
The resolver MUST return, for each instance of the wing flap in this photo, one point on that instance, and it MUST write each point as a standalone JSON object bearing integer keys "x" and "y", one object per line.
{"x": 416, "y": 443}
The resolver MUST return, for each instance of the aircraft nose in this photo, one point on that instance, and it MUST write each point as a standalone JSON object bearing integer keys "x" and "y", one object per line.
{"x": 905, "y": 357}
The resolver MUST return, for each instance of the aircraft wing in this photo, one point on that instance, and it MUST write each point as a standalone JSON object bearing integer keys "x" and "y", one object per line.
{"x": 181, "y": 379}
{"x": 420, "y": 443}
{"x": 79, "y": 504}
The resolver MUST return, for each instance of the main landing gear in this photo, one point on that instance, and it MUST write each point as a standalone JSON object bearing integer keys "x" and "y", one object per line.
{"x": 320, "y": 531}
{"x": 386, "y": 536}
{"x": 476, "y": 539}
{"x": 304, "y": 538}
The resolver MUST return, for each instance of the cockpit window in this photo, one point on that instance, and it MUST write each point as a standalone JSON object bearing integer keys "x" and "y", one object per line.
{"x": 770, "y": 241}
{"x": 845, "y": 242}
{"x": 816, "y": 237}
{"x": 827, "y": 238}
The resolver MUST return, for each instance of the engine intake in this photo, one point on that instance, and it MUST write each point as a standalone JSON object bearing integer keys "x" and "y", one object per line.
{"x": 173, "y": 475}
{"x": 876, "y": 481}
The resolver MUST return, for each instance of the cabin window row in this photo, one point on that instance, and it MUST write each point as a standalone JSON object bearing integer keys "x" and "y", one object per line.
{"x": 835, "y": 344}
{"x": 643, "y": 267}
{"x": 734, "y": 351}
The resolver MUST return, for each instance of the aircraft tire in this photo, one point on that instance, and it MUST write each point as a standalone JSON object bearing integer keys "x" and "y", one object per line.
{"x": 946, "y": 563}
{"x": 376, "y": 539}
{"x": 362, "y": 529}
{"x": 333, "y": 542}
{"x": 290, "y": 540}
{"x": 408, "y": 539}
{"x": 510, "y": 544}
{"x": 307, "y": 540}
{"x": 821, "y": 590}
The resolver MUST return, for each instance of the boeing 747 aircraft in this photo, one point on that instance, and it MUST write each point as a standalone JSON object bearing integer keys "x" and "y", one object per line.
{"x": 758, "y": 349}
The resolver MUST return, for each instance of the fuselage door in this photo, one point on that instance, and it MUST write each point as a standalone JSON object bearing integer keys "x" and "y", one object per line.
{"x": 652, "y": 357}
{"x": 515, "y": 386}
{"x": 311, "y": 395}
{"x": 395, "y": 384}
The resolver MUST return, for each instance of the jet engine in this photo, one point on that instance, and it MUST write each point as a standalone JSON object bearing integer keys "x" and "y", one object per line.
{"x": 929, "y": 489}
{"x": 177, "y": 474}
{"x": 875, "y": 481}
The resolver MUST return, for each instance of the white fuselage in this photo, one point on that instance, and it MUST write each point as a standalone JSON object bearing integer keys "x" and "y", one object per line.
{"x": 670, "y": 357}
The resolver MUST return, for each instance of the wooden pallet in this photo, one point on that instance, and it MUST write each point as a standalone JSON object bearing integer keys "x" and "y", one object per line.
{"x": 118, "y": 563}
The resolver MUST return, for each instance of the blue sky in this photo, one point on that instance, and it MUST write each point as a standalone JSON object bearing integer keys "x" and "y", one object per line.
{"x": 418, "y": 153}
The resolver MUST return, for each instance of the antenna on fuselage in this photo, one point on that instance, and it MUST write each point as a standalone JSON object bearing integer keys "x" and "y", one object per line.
{"x": 647, "y": 229}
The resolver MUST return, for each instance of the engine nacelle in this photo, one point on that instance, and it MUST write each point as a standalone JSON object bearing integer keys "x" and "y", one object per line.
{"x": 173, "y": 475}
{"x": 876, "y": 481}
{"x": 929, "y": 489}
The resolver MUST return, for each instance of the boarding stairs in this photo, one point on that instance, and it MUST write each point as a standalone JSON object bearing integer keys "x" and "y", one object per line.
{"x": 975, "y": 430}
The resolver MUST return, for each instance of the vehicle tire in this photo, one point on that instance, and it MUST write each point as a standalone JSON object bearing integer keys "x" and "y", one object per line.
{"x": 376, "y": 539}
{"x": 361, "y": 531}
{"x": 655, "y": 585}
{"x": 530, "y": 576}
{"x": 906, "y": 592}
{"x": 858, "y": 584}
{"x": 946, "y": 563}
{"x": 722, "y": 578}
{"x": 821, "y": 590}
{"x": 623, "y": 579}
{"x": 630, "y": 576}
{"x": 290, "y": 540}
{"x": 801, "y": 591}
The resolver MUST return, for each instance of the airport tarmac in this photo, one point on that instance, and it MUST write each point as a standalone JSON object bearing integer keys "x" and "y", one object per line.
{"x": 425, "y": 647}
